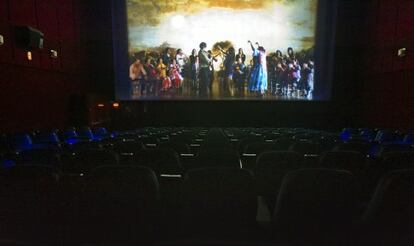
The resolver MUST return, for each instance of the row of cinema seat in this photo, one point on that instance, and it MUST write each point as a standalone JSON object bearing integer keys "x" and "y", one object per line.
{"x": 163, "y": 184}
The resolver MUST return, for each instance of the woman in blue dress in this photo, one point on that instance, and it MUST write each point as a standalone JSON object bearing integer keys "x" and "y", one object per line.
{"x": 258, "y": 76}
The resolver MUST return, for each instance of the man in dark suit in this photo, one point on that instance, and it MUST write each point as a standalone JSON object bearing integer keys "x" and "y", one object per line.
{"x": 204, "y": 74}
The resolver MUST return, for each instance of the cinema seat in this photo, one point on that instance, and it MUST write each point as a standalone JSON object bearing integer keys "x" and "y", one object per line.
{"x": 311, "y": 152}
{"x": 306, "y": 148}
{"x": 101, "y": 132}
{"x": 383, "y": 149}
{"x": 85, "y": 133}
{"x": 20, "y": 142}
{"x": 88, "y": 159}
{"x": 29, "y": 203}
{"x": 389, "y": 217}
{"x": 398, "y": 160}
{"x": 409, "y": 138}
{"x": 46, "y": 157}
{"x": 271, "y": 168}
{"x": 217, "y": 158}
{"x": 362, "y": 147}
{"x": 314, "y": 204}
{"x": 119, "y": 205}
{"x": 243, "y": 143}
{"x": 162, "y": 161}
{"x": 125, "y": 146}
{"x": 354, "y": 162}
{"x": 179, "y": 147}
{"x": 253, "y": 150}
{"x": 219, "y": 201}
{"x": 283, "y": 143}
{"x": 46, "y": 140}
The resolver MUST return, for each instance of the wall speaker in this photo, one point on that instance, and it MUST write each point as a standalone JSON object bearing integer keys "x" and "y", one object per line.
{"x": 29, "y": 38}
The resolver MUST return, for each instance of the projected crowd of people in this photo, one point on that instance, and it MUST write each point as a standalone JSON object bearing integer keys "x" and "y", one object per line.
{"x": 222, "y": 73}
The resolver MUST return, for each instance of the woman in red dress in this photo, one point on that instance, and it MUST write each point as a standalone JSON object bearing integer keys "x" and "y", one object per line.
{"x": 175, "y": 75}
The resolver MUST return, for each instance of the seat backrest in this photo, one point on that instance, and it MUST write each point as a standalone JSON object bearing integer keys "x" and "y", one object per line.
{"x": 306, "y": 148}
{"x": 361, "y": 147}
{"x": 217, "y": 158}
{"x": 316, "y": 201}
{"x": 28, "y": 195}
{"x": 383, "y": 149}
{"x": 120, "y": 198}
{"x": 219, "y": 196}
{"x": 398, "y": 160}
{"x": 179, "y": 147}
{"x": 259, "y": 147}
{"x": 45, "y": 157}
{"x": 20, "y": 142}
{"x": 91, "y": 158}
{"x": 271, "y": 167}
{"x": 248, "y": 140}
{"x": 354, "y": 162}
{"x": 127, "y": 147}
{"x": 162, "y": 161}
{"x": 390, "y": 213}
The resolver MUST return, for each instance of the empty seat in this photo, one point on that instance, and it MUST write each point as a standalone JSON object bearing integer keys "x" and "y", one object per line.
{"x": 306, "y": 148}
{"x": 283, "y": 143}
{"x": 253, "y": 150}
{"x": 398, "y": 160}
{"x": 218, "y": 201}
{"x": 29, "y": 203}
{"x": 383, "y": 149}
{"x": 119, "y": 203}
{"x": 243, "y": 143}
{"x": 101, "y": 133}
{"x": 46, "y": 157}
{"x": 20, "y": 142}
{"x": 259, "y": 147}
{"x": 389, "y": 217}
{"x": 127, "y": 147}
{"x": 271, "y": 167}
{"x": 179, "y": 147}
{"x": 217, "y": 158}
{"x": 362, "y": 147}
{"x": 314, "y": 203}
{"x": 85, "y": 133}
{"x": 354, "y": 162}
{"x": 162, "y": 161}
{"x": 46, "y": 140}
{"x": 88, "y": 159}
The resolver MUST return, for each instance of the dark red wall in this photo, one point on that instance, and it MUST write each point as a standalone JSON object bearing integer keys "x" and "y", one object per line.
{"x": 388, "y": 81}
{"x": 35, "y": 94}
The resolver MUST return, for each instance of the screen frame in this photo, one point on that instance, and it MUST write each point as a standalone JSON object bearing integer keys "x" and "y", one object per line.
{"x": 324, "y": 56}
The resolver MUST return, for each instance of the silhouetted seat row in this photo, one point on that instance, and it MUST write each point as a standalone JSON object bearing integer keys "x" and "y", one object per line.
{"x": 124, "y": 200}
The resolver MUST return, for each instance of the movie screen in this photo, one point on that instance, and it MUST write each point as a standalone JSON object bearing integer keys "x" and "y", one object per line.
{"x": 221, "y": 49}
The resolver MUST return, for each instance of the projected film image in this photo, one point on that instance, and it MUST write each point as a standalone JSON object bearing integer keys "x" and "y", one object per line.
{"x": 221, "y": 49}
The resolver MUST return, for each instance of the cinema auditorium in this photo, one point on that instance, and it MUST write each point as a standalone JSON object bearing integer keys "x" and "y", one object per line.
{"x": 206, "y": 122}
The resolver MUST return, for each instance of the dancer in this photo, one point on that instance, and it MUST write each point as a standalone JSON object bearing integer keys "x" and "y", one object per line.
{"x": 137, "y": 74}
{"x": 212, "y": 70}
{"x": 258, "y": 76}
{"x": 241, "y": 55}
{"x": 204, "y": 72}
{"x": 162, "y": 74}
{"x": 151, "y": 76}
{"x": 175, "y": 75}
{"x": 228, "y": 70}
{"x": 181, "y": 59}
{"x": 239, "y": 76}
{"x": 193, "y": 69}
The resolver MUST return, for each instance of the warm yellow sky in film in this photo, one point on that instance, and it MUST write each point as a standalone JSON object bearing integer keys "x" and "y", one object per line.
{"x": 275, "y": 24}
